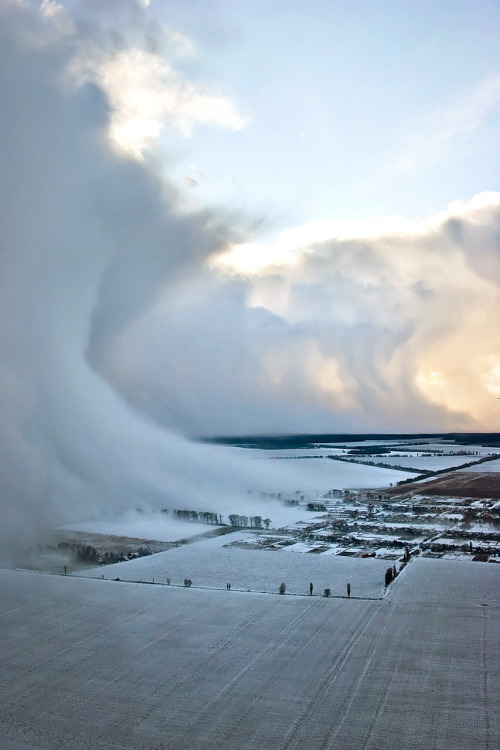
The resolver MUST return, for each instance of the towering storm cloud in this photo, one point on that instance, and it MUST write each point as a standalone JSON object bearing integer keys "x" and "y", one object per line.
{"x": 390, "y": 329}
{"x": 90, "y": 240}
{"x": 132, "y": 322}
{"x": 393, "y": 323}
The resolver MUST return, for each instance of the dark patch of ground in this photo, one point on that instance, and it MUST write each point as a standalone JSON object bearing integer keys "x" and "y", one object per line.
{"x": 465, "y": 484}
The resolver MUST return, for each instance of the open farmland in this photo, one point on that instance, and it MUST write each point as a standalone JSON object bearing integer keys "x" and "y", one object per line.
{"x": 491, "y": 466}
{"x": 471, "y": 484}
{"x": 214, "y": 562}
{"x": 117, "y": 666}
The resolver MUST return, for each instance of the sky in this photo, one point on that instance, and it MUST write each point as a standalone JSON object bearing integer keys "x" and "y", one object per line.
{"x": 239, "y": 217}
{"x": 352, "y": 109}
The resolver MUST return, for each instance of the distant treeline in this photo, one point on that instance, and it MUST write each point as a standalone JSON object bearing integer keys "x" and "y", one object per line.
{"x": 88, "y": 554}
{"x": 280, "y": 442}
{"x": 255, "y": 522}
{"x": 205, "y": 516}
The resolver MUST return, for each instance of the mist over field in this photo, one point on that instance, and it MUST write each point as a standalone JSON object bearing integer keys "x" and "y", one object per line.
{"x": 131, "y": 324}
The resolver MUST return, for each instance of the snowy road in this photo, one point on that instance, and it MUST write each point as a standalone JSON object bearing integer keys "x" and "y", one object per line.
{"x": 117, "y": 666}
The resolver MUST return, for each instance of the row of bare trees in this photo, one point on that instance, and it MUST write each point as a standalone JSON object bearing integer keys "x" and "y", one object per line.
{"x": 256, "y": 522}
{"x": 253, "y": 521}
{"x": 198, "y": 515}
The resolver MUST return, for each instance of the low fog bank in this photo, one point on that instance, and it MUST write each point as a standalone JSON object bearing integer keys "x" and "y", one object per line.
{"x": 93, "y": 239}
{"x": 89, "y": 239}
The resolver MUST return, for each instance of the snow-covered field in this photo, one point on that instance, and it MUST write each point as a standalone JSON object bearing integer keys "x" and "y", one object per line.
{"x": 381, "y": 442}
{"x": 461, "y": 543}
{"x": 117, "y": 666}
{"x": 430, "y": 463}
{"x": 493, "y": 466}
{"x": 212, "y": 563}
{"x": 451, "y": 583}
{"x": 318, "y": 475}
{"x": 450, "y": 447}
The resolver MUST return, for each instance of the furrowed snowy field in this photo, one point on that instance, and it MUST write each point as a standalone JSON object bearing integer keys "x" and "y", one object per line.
{"x": 211, "y": 563}
{"x": 117, "y": 666}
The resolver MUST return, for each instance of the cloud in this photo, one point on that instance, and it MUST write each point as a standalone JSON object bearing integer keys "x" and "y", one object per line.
{"x": 90, "y": 240}
{"x": 397, "y": 316}
{"x": 139, "y": 69}
{"x": 146, "y": 93}
{"x": 58, "y": 16}
{"x": 138, "y": 66}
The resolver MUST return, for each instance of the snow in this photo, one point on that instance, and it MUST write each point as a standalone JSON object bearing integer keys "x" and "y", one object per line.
{"x": 437, "y": 499}
{"x": 388, "y": 553}
{"x": 212, "y": 563}
{"x": 481, "y": 527}
{"x": 333, "y": 549}
{"x": 317, "y": 463}
{"x": 430, "y": 463}
{"x": 493, "y": 466}
{"x": 363, "y": 443}
{"x": 461, "y": 542}
{"x": 116, "y": 666}
{"x": 452, "y": 583}
{"x": 414, "y": 525}
{"x": 317, "y": 476}
{"x": 445, "y": 447}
